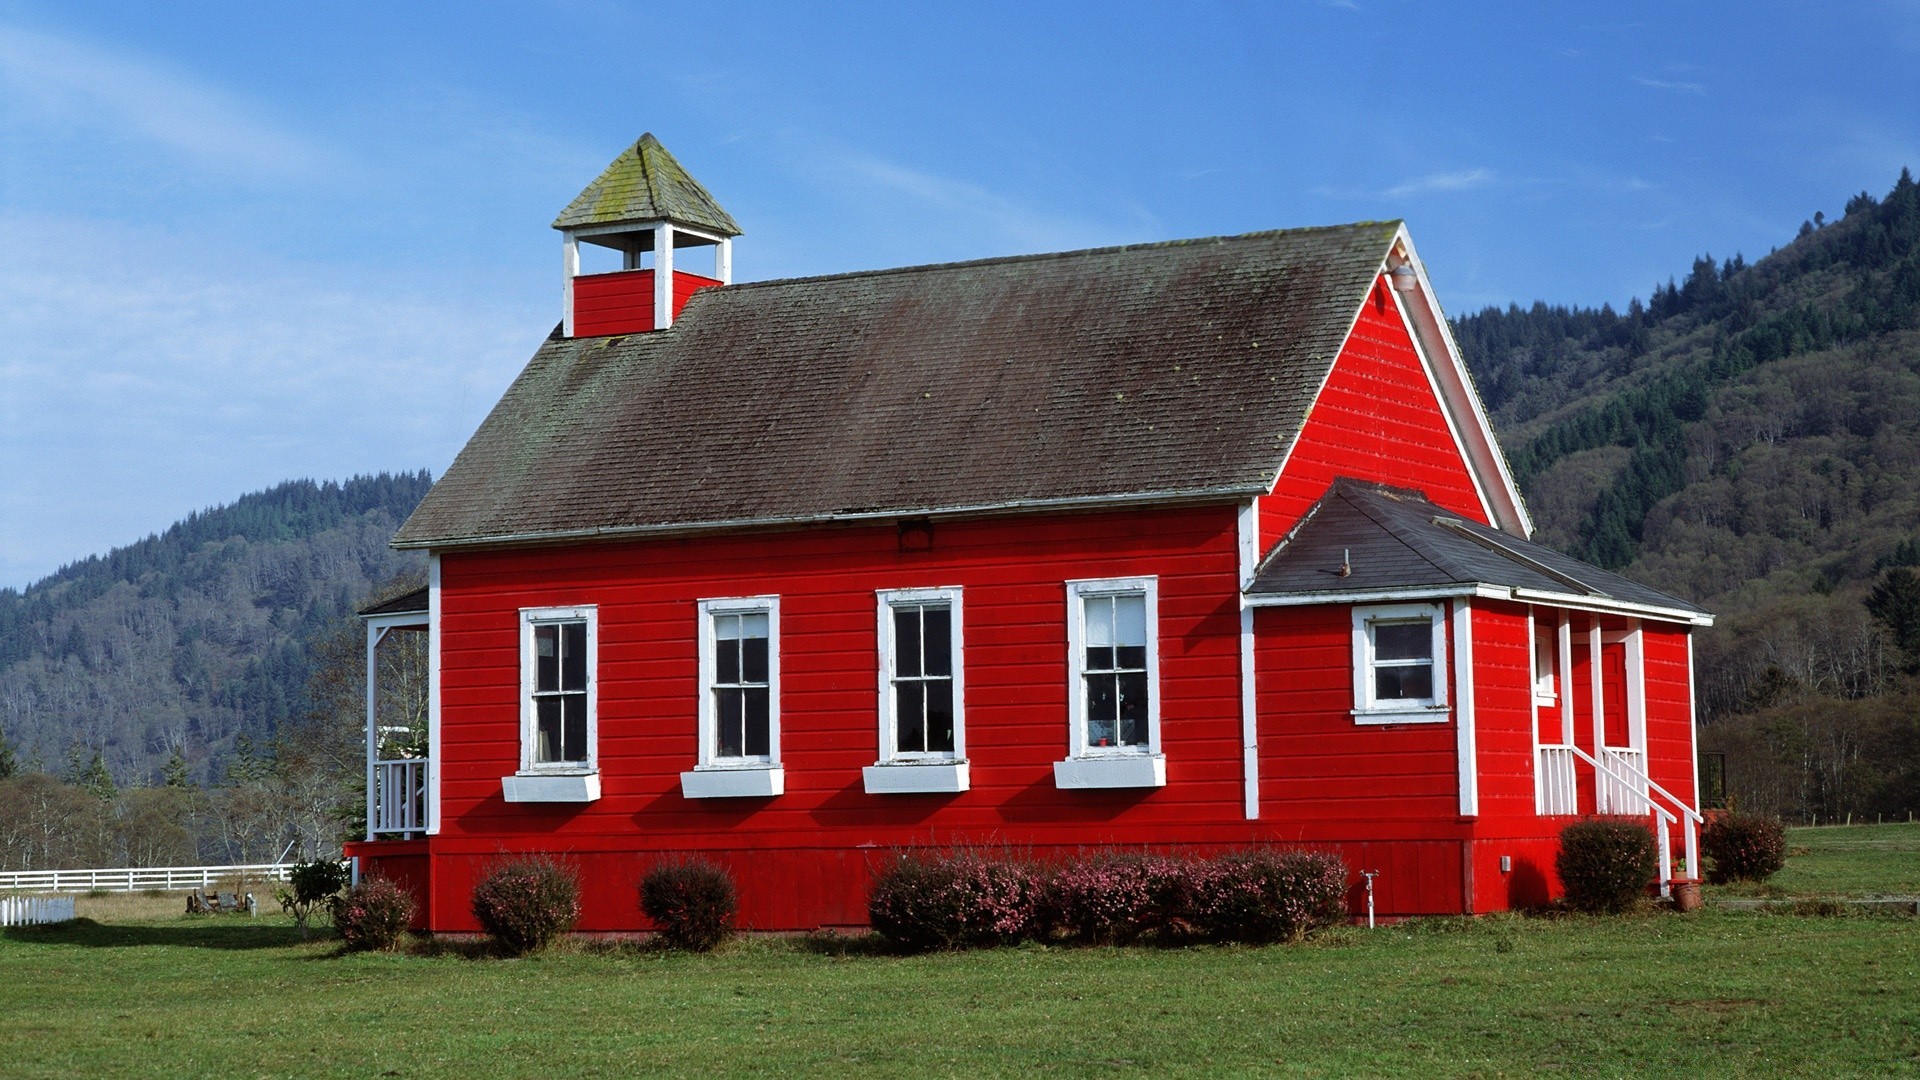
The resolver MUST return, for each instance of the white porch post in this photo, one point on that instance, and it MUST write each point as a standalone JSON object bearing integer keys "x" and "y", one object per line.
{"x": 374, "y": 634}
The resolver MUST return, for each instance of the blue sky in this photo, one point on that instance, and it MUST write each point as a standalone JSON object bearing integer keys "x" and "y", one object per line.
{"x": 250, "y": 242}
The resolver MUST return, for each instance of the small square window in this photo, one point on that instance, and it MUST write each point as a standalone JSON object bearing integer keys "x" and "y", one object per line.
{"x": 1399, "y": 663}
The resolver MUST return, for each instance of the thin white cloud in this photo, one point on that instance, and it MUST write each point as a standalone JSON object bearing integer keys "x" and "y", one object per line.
{"x": 1464, "y": 180}
{"x": 1668, "y": 84}
{"x": 61, "y": 84}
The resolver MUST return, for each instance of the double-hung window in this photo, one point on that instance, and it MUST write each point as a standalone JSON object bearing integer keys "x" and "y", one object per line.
{"x": 922, "y": 706}
{"x": 1113, "y": 691}
{"x": 739, "y": 710}
{"x": 558, "y": 760}
{"x": 1399, "y": 664}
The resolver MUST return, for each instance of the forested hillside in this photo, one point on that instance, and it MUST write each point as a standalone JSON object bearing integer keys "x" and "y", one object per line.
{"x": 1749, "y": 437}
{"x": 197, "y": 642}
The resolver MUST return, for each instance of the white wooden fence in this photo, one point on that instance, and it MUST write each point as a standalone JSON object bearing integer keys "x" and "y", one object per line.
{"x": 138, "y": 878}
{"x": 29, "y": 910}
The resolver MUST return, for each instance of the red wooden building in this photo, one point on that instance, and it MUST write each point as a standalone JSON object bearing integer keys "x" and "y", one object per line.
{"x": 1182, "y": 546}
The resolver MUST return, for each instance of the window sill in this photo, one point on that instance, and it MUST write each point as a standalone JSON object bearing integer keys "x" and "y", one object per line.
{"x": 1111, "y": 771}
{"x": 913, "y": 777}
{"x": 1425, "y": 714}
{"x": 757, "y": 781}
{"x": 577, "y": 787}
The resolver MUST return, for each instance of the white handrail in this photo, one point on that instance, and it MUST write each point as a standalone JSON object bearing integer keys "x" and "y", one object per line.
{"x": 1679, "y": 805}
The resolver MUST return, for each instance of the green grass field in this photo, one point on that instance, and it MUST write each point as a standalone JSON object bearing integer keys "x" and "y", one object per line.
{"x": 135, "y": 990}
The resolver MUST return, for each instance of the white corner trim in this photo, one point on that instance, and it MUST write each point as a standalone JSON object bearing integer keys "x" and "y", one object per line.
{"x": 435, "y": 639}
{"x": 1249, "y": 534}
{"x": 915, "y": 777}
{"x": 759, "y": 781}
{"x": 1111, "y": 771}
{"x": 551, "y": 787}
{"x": 1468, "y": 748}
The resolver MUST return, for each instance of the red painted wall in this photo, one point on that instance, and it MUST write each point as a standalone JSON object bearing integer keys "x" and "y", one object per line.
{"x": 1013, "y": 572}
{"x": 1376, "y": 419}
{"x": 622, "y": 302}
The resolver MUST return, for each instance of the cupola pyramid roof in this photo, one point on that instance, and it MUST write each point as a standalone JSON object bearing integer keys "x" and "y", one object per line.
{"x": 645, "y": 183}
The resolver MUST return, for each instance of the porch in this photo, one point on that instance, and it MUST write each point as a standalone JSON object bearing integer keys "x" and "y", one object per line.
{"x": 399, "y": 760}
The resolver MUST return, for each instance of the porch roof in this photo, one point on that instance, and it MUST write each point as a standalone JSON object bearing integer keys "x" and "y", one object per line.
{"x": 1366, "y": 538}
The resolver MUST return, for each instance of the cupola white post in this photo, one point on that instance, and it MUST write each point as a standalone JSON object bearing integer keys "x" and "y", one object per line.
{"x": 723, "y": 260}
{"x": 663, "y": 275}
{"x": 569, "y": 269}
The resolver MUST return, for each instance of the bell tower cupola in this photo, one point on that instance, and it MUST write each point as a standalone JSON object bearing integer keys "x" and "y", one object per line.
{"x": 658, "y": 218}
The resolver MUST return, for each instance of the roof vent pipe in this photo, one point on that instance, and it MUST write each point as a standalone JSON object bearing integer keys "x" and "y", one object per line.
{"x": 1403, "y": 278}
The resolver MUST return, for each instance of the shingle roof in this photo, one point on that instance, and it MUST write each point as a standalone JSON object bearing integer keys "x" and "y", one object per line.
{"x": 1150, "y": 371}
{"x": 645, "y": 183}
{"x": 1390, "y": 539}
{"x": 406, "y": 603}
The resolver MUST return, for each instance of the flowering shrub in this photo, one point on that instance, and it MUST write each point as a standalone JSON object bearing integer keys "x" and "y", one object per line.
{"x": 1119, "y": 897}
{"x": 1743, "y": 847}
{"x": 954, "y": 899}
{"x": 372, "y": 915}
{"x": 692, "y": 904}
{"x": 1605, "y": 863}
{"x": 1264, "y": 894}
{"x": 526, "y": 901}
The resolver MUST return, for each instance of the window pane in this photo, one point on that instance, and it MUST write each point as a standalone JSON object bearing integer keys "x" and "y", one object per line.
{"x": 726, "y": 627}
{"x": 939, "y": 639}
{"x": 726, "y": 660}
{"x": 906, "y": 642}
{"x": 1403, "y": 640}
{"x": 910, "y": 716}
{"x": 546, "y": 653}
{"x": 753, "y": 624}
{"x": 1099, "y": 621}
{"x": 573, "y": 741}
{"x": 753, "y": 660}
{"x": 1130, "y": 620}
{"x": 1133, "y": 708}
{"x": 1103, "y": 709}
{"x": 1410, "y": 682}
{"x": 728, "y": 712}
{"x": 573, "y": 656}
{"x": 1100, "y": 659}
{"x": 546, "y": 746}
{"x": 756, "y": 719}
{"x": 940, "y": 716}
{"x": 1133, "y": 657}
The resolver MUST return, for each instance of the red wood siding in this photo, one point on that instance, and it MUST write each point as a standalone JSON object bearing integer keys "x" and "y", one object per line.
{"x": 622, "y": 302}
{"x": 1013, "y": 574}
{"x": 1376, "y": 419}
{"x": 1373, "y": 790}
{"x": 1670, "y": 749}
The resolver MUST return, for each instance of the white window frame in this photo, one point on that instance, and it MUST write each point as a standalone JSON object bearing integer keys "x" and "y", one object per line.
{"x": 1110, "y": 766}
{"x": 735, "y": 777}
{"x": 1368, "y": 710}
{"x": 556, "y": 781}
{"x": 912, "y": 771}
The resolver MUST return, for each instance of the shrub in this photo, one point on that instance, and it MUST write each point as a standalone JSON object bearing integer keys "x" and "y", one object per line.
{"x": 692, "y": 904}
{"x": 1118, "y": 897}
{"x": 1605, "y": 864}
{"x": 372, "y": 914}
{"x": 310, "y": 886}
{"x": 955, "y": 899}
{"x": 526, "y": 901}
{"x": 1263, "y": 894}
{"x": 1743, "y": 847}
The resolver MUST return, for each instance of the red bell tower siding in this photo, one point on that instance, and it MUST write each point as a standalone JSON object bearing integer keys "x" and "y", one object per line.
{"x": 622, "y": 302}
{"x": 1378, "y": 418}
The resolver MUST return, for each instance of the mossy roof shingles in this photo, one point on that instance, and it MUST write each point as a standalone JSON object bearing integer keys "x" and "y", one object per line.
{"x": 646, "y": 183}
{"x": 1159, "y": 370}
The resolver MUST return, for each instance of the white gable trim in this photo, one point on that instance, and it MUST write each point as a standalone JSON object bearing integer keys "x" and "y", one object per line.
{"x": 1465, "y": 414}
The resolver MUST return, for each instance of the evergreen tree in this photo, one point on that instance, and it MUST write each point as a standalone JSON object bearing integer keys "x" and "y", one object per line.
{"x": 97, "y": 781}
{"x": 175, "y": 772}
{"x": 8, "y": 766}
{"x": 1895, "y": 602}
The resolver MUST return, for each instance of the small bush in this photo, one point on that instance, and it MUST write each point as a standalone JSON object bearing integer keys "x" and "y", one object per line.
{"x": 954, "y": 900}
{"x": 311, "y": 886}
{"x": 692, "y": 904}
{"x": 525, "y": 902}
{"x": 372, "y": 915}
{"x": 1263, "y": 894}
{"x": 1119, "y": 897}
{"x": 1743, "y": 847}
{"x": 1605, "y": 864}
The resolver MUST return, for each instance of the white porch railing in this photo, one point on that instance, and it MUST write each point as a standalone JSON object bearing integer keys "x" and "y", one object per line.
{"x": 397, "y": 802}
{"x": 1688, "y": 818}
{"x": 1558, "y": 793}
{"x": 34, "y": 910}
{"x": 1622, "y": 796}
{"x": 138, "y": 878}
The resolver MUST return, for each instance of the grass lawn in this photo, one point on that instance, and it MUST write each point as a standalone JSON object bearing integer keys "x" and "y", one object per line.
{"x": 135, "y": 989}
{"x": 1847, "y": 860}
